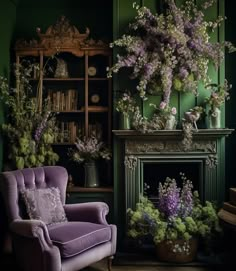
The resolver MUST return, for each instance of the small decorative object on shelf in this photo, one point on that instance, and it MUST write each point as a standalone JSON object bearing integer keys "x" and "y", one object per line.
{"x": 95, "y": 98}
{"x": 176, "y": 221}
{"x": 92, "y": 71}
{"x": 61, "y": 69}
{"x": 87, "y": 151}
{"x": 193, "y": 115}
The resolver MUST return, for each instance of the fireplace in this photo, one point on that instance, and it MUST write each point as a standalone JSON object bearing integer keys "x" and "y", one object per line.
{"x": 155, "y": 171}
{"x": 150, "y": 158}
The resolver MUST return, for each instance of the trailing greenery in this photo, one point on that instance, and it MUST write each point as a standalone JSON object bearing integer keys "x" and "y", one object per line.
{"x": 29, "y": 131}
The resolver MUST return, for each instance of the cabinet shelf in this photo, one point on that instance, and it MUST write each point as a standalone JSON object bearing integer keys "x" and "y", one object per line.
{"x": 69, "y": 111}
{"x": 89, "y": 189}
{"x": 49, "y": 79}
{"x": 97, "y": 109}
{"x": 98, "y": 79}
{"x": 64, "y": 79}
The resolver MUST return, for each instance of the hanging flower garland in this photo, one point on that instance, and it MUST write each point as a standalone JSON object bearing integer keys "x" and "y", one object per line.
{"x": 170, "y": 51}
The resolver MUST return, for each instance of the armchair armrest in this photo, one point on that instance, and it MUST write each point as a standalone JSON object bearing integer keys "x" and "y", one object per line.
{"x": 32, "y": 229}
{"x": 94, "y": 212}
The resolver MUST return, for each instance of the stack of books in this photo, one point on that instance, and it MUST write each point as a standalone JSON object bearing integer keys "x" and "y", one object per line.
{"x": 228, "y": 211}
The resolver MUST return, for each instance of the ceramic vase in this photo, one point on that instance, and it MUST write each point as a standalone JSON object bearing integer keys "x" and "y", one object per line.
{"x": 170, "y": 123}
{"x": 215, "y": 118}
{"x": 124, "y": 122}
{"x": 91, "y": 174}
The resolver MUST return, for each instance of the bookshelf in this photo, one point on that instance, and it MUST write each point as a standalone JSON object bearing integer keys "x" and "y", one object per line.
{"x": 71, "y": 74}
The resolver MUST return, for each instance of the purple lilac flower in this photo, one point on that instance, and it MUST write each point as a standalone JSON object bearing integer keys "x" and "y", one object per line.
{"x": 186, "y": 200}
{"x": 183, "y": 73}
{"x": 39, "y": 130}
{"x": 168, "y": 198}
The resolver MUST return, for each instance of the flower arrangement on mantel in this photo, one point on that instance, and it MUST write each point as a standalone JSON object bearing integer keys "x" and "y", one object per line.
{"x": 89, "y": 149}
{"x": 126, "y": 104}
{"x": 177, "y": 215}
{"x": 169, "y": 51}
{"x": 29, "y": 132}
{"x": 219, "y": 94}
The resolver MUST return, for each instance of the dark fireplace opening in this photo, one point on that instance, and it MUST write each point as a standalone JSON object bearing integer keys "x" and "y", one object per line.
{"x": 156, "y": 172}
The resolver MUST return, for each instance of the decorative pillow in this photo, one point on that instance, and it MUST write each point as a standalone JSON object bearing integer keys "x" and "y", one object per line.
{"x": 44, "y": 204}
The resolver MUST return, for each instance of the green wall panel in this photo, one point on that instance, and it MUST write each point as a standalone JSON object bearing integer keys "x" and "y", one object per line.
{"x": 7, "y": 24}
{"x": 97, "y": 18}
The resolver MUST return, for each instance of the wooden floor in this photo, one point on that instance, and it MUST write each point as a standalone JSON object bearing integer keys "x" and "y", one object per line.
{"x": 7, "y": 264}
{"x": 101, "y": 266}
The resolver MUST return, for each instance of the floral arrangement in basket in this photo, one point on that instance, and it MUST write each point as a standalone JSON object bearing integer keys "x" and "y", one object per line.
{"x": 29, "y": 131}
{"x": 171, "y": 50}
{"x": 178, "y": 215}
{"x": 89, "y": 149}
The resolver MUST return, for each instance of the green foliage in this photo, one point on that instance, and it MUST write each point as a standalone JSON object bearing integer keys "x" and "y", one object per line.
{"x": 29, "y": 131}
{"x": 147, "y": 219}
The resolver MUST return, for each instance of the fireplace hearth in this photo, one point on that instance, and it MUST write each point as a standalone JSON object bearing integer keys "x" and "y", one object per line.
{"x": 150, "y": 158}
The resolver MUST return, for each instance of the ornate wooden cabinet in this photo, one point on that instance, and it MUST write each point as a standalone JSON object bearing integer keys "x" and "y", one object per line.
{"x": 70, "y": 70}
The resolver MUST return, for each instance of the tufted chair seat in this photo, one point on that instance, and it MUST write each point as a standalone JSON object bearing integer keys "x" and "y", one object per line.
{"x": 73, "y": 238}
{"x": 67, "y": 246}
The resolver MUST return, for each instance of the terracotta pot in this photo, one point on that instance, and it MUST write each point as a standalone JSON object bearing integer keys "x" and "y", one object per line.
{"x": 166, "y": 251}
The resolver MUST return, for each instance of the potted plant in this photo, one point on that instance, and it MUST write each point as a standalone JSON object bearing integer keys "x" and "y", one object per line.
{"x": 125, "y": 105}
{"x": 87, "y": 151}
{"x": 218, "y": 95}
{"x": 176, "y": 222}
{"x": 29, "y": 132}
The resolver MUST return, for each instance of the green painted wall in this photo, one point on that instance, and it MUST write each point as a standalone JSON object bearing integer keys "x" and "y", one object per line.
{"x": 97, "y": 17}
{"x": 7, "y": 24}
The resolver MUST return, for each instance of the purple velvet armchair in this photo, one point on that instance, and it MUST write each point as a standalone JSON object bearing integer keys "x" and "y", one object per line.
{"x": 68, "y": 246}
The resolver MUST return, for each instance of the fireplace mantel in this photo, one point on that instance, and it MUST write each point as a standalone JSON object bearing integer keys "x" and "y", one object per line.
{"x": 173, "y": 134}
{"x": 165, "y": 146}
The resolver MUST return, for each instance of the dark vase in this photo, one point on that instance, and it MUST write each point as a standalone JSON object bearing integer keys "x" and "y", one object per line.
{"x": 91, "y": 174}
{"x": 124, "y": 121}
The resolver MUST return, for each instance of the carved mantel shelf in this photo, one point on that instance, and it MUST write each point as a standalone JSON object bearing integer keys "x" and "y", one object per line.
{"x": 173, "y": 134}
{"x": 165, "y": 146}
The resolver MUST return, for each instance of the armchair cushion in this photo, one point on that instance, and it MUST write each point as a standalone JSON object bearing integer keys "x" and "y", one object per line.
{"x": 44, "y": 204}
{"x": 73, "y": 238}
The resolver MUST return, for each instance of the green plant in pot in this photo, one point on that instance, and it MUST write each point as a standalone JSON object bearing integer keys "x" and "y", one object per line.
{"x": 29, "y": 132}
{"x": 176, "y": 222}
{"x": 87, "y": 150}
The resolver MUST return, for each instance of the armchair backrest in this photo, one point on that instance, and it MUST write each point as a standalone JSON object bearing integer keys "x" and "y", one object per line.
{"x": 12, "y": 182}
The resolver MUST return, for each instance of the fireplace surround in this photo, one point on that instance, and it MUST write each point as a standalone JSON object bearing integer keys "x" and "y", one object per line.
{"x": 206, "y": 157}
